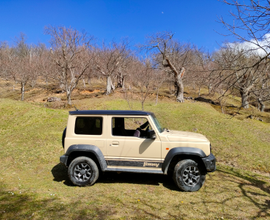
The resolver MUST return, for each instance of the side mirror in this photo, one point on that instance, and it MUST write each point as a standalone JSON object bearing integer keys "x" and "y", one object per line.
{"x": 151, "y": 134}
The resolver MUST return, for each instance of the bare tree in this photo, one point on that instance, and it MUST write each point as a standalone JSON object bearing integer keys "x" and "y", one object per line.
{"x": 158, "y": 80}
{"x": 201, "y": 72}
{"x": 172, "y": 57}
{"x": 122, "y": 72}
{"x": 236, "y": 73}
{"x": 20, "y": 63}
{"x": 143, "y": 79}
{"x": 4, "y": 50}
{"x": 251, "y": 27}
{"x": 110, "y": 62}
{"x": 250, "y": 22}
{"x": 6, "y": 60}
{"x": 261, "y": 91}
{"x": 45, "y": 68}
{"x": 71, "y": 54}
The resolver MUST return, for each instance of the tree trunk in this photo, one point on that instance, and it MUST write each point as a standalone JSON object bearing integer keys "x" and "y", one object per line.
{"x": 179, "y": 88}
{"x": 110, "y": 86}
{"x": 68, "y": 97}
{"x": 157, "y": 95}
{"x": 142, "y": 105}
{"x": 22, "y": 90}
{"x": 120, "y": 80}
{"x": 261, "y": 105}
{"x": 209, "y": 88}
{"x": 244, "y": 96}
{"x": 194, "y": 86}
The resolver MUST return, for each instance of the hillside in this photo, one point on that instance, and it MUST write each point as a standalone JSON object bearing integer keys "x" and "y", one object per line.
{"x": 34, "y": 185}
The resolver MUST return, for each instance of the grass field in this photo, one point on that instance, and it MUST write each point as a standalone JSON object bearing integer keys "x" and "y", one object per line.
{"x": 34, "y": 185}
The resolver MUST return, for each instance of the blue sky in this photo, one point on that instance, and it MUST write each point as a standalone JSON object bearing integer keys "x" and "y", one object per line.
{"x": 193, "y": 21}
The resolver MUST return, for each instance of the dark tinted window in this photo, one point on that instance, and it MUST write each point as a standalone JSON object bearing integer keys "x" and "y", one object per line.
{"x": 88, "y": 125}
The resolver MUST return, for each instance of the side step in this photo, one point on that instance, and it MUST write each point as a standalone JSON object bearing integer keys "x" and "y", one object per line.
{"x": 134, "y": 170}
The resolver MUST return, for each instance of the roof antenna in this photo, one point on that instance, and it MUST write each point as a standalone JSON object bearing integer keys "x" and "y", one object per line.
{"x": 75, "y": 108}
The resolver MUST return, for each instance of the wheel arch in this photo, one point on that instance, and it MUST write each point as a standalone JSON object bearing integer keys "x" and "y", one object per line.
{"x": 181, "y": 153}
{"x": 90, "y": 151}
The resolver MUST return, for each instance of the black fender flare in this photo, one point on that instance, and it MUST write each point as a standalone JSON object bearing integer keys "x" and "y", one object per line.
{"x": 188, "y": 151}
{"x": 89, "y": 149}
{"x": 63, "y": 137}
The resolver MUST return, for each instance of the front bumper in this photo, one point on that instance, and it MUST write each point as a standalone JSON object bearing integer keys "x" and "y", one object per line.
{"x": 64, "y": 159}
{"x": 210, "y": 163}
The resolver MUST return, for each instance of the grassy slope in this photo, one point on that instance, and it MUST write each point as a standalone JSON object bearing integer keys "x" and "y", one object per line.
{"x": 240, "y": 143}
{"x": 34, "y": 185}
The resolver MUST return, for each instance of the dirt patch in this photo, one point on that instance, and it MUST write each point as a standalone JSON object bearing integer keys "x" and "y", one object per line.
{"x": 87, "y": 92}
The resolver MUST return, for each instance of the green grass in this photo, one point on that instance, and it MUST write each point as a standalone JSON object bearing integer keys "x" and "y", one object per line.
{"x": 240, "y": 143}
{"x": 33, "y": 184}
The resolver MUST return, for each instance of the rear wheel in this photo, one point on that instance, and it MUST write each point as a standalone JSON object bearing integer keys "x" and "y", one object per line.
{"x": 188, "y": 176}
{"x": 83, "y": 171}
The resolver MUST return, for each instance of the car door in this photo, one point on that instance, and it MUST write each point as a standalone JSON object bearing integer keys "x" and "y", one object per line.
{"x": 127, "y": 148}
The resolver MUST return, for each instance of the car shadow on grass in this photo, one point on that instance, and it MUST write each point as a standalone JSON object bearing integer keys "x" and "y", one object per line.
{"x": 60, "y": 174}
{"x": 138, "y": 178}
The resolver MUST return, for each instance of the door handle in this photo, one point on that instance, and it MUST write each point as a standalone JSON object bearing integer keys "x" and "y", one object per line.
{"x": 115, "y": 143}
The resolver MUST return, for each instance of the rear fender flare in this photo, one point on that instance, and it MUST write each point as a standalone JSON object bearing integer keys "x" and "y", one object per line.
{"x": 85, "y": 148}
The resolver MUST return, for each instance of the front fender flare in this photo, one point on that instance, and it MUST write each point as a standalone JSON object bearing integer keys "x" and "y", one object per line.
{"x": 189, "y": 151}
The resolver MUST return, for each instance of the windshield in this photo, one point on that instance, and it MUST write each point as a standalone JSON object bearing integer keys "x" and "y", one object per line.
{"x": 158, "y": 125}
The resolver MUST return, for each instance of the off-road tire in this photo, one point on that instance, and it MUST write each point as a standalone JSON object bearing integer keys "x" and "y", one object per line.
{"x": 188, "y": 176}
{"x": 83, "y": 171}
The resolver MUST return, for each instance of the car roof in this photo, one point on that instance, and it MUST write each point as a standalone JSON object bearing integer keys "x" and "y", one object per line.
{"x": 109, "y": 112}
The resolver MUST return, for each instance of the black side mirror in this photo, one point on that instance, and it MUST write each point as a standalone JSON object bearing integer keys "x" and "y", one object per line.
{"x": 151, "y": 134}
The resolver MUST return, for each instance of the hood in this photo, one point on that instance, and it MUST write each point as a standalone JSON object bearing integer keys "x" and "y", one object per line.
{"x": 183, "y": 136}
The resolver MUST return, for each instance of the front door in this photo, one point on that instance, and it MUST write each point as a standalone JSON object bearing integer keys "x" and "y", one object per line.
{"x": 128, "y": 145}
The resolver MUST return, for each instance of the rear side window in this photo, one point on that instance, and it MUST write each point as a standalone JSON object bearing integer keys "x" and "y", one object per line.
{"x": 88, "y": 125}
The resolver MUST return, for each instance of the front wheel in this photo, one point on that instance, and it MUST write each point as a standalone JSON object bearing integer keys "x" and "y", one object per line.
{"x": 83, "y": 171}
{"x": 188, "y": 176}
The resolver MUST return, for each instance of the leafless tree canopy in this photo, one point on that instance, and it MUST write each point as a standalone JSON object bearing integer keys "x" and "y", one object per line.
{"x": 19, "y": 63}
{"x": 173, "y": 57}
{"x": 240, "y": 67}
{"x": 71, "y": 53}
{"x": 244, "y": 65}
{"x": 111, "y": 61}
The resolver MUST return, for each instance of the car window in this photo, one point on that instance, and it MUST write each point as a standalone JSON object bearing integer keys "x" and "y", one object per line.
{"x": 127, "y": 126}
{"x": 88, "y": 125}
{"x": 157, "y": 123}
{"x": 134, "y": 123}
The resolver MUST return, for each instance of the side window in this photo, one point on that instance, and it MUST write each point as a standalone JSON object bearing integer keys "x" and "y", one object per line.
{"x": 129, "y": 126}
{"x": 88, "y": 125}
{"x": 134, "y": 123}
{"x": 118, "y": 127}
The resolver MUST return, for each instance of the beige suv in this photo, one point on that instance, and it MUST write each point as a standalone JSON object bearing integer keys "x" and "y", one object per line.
{"x": 133, "y": 141}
